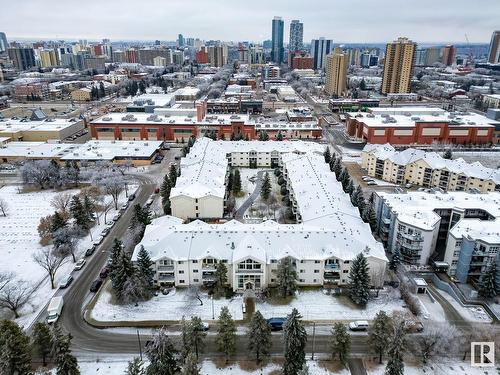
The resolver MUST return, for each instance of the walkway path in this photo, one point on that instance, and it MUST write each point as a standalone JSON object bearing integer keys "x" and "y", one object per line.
{"x": 246, "y": 205}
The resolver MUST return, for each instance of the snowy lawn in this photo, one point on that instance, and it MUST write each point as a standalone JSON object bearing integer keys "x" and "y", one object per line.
{"x": 19, "y": 240}
{"x": 247, "y": 185}
{"x": 209, "y": 367}
{"x": 445, "y": 367}
{"x": 312, "y": 304}
{"x": 474, "y": 314}
{"x": 488, "y": 159}
{"x": 431, "y": 309}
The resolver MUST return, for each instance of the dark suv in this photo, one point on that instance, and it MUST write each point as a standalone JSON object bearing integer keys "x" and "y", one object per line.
{"x": 96, "y": 284}
{"x": 276, "y": 323}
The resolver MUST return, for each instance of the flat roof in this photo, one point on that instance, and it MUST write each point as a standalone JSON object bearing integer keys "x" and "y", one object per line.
{"x": 49, "y": 124}
{"x": 156, "y": 119}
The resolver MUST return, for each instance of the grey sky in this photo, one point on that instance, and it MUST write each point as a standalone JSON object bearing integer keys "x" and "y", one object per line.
{"x": 340, "y": 20}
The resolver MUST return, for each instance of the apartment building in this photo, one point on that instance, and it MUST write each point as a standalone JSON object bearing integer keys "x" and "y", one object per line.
{"x": 398, "y": 66}
{"x": 428, "y": 169}
{"x": 328, "y": 236}
{"x": 460, "y": 228}
{"x": 336, "y": 74}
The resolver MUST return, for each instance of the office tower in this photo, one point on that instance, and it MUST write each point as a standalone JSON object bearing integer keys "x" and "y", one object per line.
{"x": 365, "y": 60}
{"x": 420, "y": 57}
{"x": 319, "y": 49}
{"x": 336, "y": 73}
{"x": 3, "y": 43}
{"x": 296, "y": 36}
{"x": 354, "y": 56}
{"x": 277, "y": 51}
{"x": 180, "y": 40}
{"x": 48, "y": 58}
{"x": 23, "y": 58}
{"x": 494, "y": 52}
{"x": 217, "y": 55}
{"x": 256, "y": 55}
{"x": 398, "y": 66}
{"x": 432, "y": 56}
{"x": 178, "y": 57}
{"x": 449, "y": 53}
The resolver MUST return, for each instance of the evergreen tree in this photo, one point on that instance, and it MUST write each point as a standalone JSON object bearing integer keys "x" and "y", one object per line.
{"x": 259, "y": 336}
{"x": 15, "y": 353}
{"x": 229, "y": 185}
{"x": 42, "y": 341}
{"x": 226, "y": 333}
{"x": 236, "y": 183}
{"x": 58, "y": 222}
{"x": 286, "y": 277}
{"x": 279, "y": 136}
{"x": 144, "y": 269}
{"x": 102, "y": 91}
{"x": 370, "y": 217}
{"x": 356, "y": 196}
{"x": 135, "y": 367}
{"x": 78, "y": 213}
{"x": 265, "y": 190}
{"x": 172, "y": 175}
{"x": 448, "y": 154}
{"x": 116, "y": 251}
{"x": 167, "y": 209}
{"x": 337, "y": 168}
{"x": 488, "y": 287}
{"x": 247, "y": 138}
{"x": 295, "y": 338}
{"x": 263, "y": 136}
{"x": 165, "y": 187}
{"x": 220, "y": 279}
{"x": 345, "y": 179}
{"x": 65, "y": 360}
{"x": 359, "y": 280}
{"x": 371, "y": 200}
{"x": 121, "y": 273}
{"x": 379, "y": 334}
{"x": 341, "y": 342}
{"x": 185, "y": 338}
{"x": 350, "y": 187}
{"x": 327, "y": 155}
{"x": 395, "y": 350}
{"x": 191, "y": 367}
{"x": 196, "y": 335}
{"x": 161, "y": 354}
{"x": 88, "y": 208}
{"x": 395, "y": 259}
{"x": 332, "y": 164}
{"x": 142, "y": 216}
{"x": 360, "y": 200}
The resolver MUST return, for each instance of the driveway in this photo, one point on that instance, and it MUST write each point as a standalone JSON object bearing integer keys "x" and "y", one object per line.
{"x": 255, "y": 194}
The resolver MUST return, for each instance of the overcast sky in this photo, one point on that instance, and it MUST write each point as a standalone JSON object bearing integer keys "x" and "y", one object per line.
{"x": 238, "y": 20}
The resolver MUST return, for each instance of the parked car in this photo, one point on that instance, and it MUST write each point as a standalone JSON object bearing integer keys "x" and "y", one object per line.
{"x": 90, "y": 251}
{"x": 157, "y": 190}
{"x": 116, "y": 217}
{"x": 149, "y": 202}
{"x": 96, "y": 284}
{"x": 371, "y": 183}
{"x": 79, "y": 265}
{"x": 367, "y": 178}
{"x": 98, "y": 240}
{"x": 358, "y": 325}
{"x": 413, "y": 326}
{"x": 276, "y": 323}
{"x": 408, "y": 186}
{"x": 178, "y": 157}
{"x": 131, "y": 197}
{"x": 104, "y": 273}
{"x": 105, "y": 232}
{"x": 66, "y": 282}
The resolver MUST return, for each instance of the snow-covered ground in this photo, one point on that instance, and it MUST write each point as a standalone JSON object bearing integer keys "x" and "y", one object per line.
{"x": 350, "y": 155}
{"x": 445, "y": 367}
{"x": 210, "y": 368}
{"x": 247, "y": 186}
{"x": 312, "y": 304}
{"x": 19, "y": 240}
{"x": 474, "y": 314}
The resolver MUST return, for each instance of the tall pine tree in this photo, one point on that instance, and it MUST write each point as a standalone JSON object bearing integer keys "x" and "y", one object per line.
{"x": 286, "y": 277}
{"x": 259, "y": 336}
{"x": 395, "y": 351}
{"x": 197, "y": 335}
{"x": 265, "y": 190}
{"x": 226, "y": 333}
{"x": 144, "y": 264}
{"x": 135, "y": 367}
{"x": 42, "y": 341}
{"x": 172, "y": 174}
{"x": 488, "y": 287}
{"x": 15, "y": 352}
{"x": 191, "y": 367}
{"x": 395, "y": 259}
{"x": 359, "y": 280}
{"x": 65, "y": 361}
{"x": 162, "y": 355}
{"x": 295, "y": 338}
{"x": 327, "y": 155}
{"x": 220, "y": 279}
{"x": 236, "y": 183}
{"x": 121, "y": 274}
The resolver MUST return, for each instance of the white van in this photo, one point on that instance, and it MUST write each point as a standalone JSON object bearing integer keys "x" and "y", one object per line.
{"x": 54, "y": 309}
{"x": 358, "y": 325}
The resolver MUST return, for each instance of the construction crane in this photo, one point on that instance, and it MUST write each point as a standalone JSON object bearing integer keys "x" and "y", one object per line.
{"x": 470, "y": 59}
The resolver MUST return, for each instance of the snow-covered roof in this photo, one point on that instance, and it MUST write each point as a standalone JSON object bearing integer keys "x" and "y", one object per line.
{"x": 487, "y": 231}
{"x": 13, "y": 125}
{"x": 434, "y": 161}
{"x": 417, "y": 208}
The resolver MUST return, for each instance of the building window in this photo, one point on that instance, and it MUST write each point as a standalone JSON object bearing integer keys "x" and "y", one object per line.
{"x": 316, "y": 271}
{"x": 302, "y": 281}
{"x": 196, "y": 280}
{"x": 302, "y": 271}
{"x": 345, "y": 271}
{"x": 317, "y": 261}
{"x": 195, "y": 260}
{"x": 346, "y": 262}
{"x": 181, "y": 271}
{"x": 195, "y": 271}
{"x": 180, "y": 262}
{"x": 181, "y": 281}
{"x": 274, "y": 261}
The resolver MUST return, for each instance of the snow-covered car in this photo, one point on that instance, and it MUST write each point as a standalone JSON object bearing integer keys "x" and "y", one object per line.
{"x": 98, "y": 240}
{"x": 65, "y": 282}
{"x": 116, "y": 217}
{"x": 371, "y": 183}
{"x": 105, "y": 232}
{"x": 79, "y": 265}
{"x": 358, "y": 325}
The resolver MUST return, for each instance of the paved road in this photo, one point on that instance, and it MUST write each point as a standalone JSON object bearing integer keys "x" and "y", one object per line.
{"x": 255, "y": 194}
{"x": 356, "y": 366}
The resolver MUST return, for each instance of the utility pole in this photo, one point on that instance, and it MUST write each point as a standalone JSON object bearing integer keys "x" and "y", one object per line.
{"x": 213, "y": 309}
{"x": 314, "y": 340}
{"x": 140, "y": 346}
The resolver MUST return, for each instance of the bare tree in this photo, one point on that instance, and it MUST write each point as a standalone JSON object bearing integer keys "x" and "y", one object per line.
{"x": 50, "y": 262}
{"x": 61, "y": 201}
{"x": 112, "y": 185}
{"x": 436, "y": 339}
{"x": 65, "y": 240}
{"x": 14, "y": 295}
{"x": 4, "y": 206}
{"x": 106, "y": 206}
{"x": 5, "y": 278}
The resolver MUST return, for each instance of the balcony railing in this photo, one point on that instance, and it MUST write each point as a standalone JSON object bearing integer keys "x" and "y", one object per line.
{"x": 248, "y": 271}
{"x": 411, "y": 237}
{"x": 166, "y": 268}
{"x": 332, "y": 267}
{"x": 166, "y": 278}
{"x": 206, "y": 266}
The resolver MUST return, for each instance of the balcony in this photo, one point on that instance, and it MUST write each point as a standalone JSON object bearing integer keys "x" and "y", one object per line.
{"x": 249, "y": 271}
{"x": 332, "y": 266}
{"x": 208, "y": 277}
{"x": 166, "y": 278}
{"x": 411, "y": 246}
{"x": 386, "y": 220}
{"x": 411, "y": 237}
{"x": 165, "y": 268}
{"x": 208, "y": 267}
